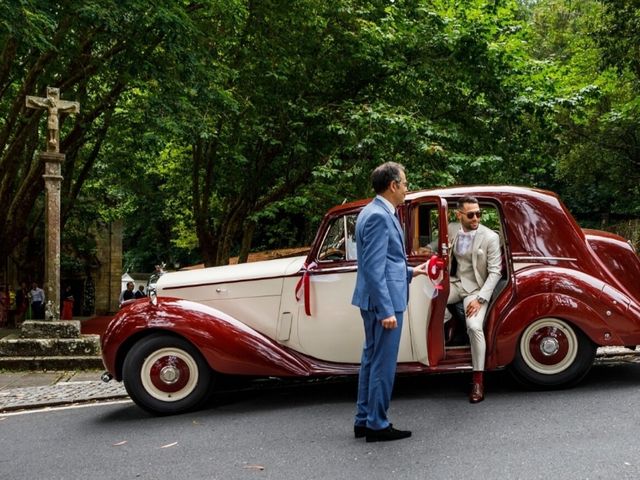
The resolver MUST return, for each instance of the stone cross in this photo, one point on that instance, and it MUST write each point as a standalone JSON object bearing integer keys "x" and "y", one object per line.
{"x": 55, "y": 106}
{"x": 52, "y": 159}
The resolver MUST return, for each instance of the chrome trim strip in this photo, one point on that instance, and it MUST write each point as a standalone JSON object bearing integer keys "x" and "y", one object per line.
{"x": 326, "y": 270}
{"x": 314, "y": 272}
{"x": 540, "y": 259}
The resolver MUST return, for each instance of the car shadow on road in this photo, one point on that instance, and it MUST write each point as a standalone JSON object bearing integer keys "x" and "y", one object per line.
{"x": 240, "y": 396}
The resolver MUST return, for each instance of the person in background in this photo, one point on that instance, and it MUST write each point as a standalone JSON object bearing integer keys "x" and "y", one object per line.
{"x": 140, "y": 292}
{"x": 22, "y": 303}
{"x": 127, "y": 294}
{"x": 67, "y": 303}
{"x": 37, "y": 301}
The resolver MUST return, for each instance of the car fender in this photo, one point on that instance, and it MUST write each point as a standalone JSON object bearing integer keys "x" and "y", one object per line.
{"x": 228, "y": 345}
{"x": 573, "y": 296}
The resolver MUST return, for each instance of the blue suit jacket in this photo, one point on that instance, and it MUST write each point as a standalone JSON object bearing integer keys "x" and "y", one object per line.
{"x": 382, "y": 283}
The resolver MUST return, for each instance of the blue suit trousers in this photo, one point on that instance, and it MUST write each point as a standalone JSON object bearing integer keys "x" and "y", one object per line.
{"x": 377, "y": 371}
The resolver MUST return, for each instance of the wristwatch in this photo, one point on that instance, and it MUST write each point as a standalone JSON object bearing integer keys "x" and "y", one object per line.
{"x": 481, "y": 300}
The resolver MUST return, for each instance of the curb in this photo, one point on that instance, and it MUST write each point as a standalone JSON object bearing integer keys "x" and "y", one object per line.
{"x": 62, "y": 393}
{"x": 607, "y": 352}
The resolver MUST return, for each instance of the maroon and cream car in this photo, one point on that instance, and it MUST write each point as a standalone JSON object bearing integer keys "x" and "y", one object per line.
{"x": 564, "y": 292}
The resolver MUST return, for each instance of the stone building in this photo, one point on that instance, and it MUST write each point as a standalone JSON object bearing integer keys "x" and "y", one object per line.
{"x": 96, "y": 291}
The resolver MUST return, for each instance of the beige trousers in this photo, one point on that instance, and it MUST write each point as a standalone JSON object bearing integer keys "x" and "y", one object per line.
{"x": 474, "y": 324}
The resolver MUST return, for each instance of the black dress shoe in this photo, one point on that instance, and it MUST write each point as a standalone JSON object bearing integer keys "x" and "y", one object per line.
{"x": 360, "y": 431}
{"x": 386, "y": 434}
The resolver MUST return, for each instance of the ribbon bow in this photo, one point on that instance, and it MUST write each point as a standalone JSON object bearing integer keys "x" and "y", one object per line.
{"x": 435, "y": 265}
{"x": 303, "y": 284}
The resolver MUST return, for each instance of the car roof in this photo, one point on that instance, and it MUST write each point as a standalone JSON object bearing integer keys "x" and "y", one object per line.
{"x": 480, "y": 191}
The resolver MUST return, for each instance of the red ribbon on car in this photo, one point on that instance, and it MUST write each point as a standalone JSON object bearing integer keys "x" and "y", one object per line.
{"x": 303, "y": 284}
{"x": 435, "y": 265}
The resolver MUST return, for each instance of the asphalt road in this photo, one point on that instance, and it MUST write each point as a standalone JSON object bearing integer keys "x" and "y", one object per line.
{"x": 305, "y": 432}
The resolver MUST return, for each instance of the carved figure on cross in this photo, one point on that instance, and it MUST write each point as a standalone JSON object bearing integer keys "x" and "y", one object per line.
{"x": 55, "y": 106}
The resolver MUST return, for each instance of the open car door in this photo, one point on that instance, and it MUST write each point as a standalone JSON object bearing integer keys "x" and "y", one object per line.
{"x": 426, "y": 234}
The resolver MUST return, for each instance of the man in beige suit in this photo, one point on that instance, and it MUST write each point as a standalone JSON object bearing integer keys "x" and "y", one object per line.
{"x": 476, "y": 266}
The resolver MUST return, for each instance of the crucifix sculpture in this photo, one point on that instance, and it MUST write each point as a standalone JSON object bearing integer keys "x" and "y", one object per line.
{"x": 52, "y": 159}
{"x": 55, "y": 106}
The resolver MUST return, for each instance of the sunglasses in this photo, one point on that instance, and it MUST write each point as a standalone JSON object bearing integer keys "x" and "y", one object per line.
{"x": 470, "y": 215}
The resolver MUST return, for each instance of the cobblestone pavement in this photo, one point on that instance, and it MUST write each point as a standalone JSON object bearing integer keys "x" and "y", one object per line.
{"x": 29, "y": 390}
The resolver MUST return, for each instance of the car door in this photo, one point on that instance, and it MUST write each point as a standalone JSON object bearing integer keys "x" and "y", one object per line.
{"x": 333, "y": 329}
{"x": 426, "y": 235}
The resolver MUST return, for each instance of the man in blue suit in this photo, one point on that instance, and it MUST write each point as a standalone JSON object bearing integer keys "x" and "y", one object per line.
{"x": 381, "y": 293}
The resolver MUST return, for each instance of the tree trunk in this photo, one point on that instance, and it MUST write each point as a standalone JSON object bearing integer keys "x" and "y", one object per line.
{"x": 247, "y": 237}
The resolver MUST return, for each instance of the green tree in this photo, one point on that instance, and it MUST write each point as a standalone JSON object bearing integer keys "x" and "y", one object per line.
{"x": 587, "y": 49}
{"x": 92, "y": 51}
{"x": 214, "y": 127}
{"x": 433, "y": 86}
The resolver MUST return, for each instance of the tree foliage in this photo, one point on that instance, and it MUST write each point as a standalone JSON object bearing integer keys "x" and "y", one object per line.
{"x": 94, "y": 52}
{"x": 215, "y": 127}
{"x": 594, "y": 101}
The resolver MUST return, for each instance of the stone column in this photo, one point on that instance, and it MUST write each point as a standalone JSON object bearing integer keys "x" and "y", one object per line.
{"x": 109, "y": 273}
{"x": 115, "y": 269}
{"x": 52, "y": 180}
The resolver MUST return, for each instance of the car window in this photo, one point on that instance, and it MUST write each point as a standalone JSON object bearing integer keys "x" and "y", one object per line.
{"x": 490, "y": 218}
{"x": 426, "y": 229}
{"x": 425, "y": 221}
{"x": 340, "y": 241}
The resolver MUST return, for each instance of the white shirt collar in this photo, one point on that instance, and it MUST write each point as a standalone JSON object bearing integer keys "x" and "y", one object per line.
{"x": 387, "y": 204}
{"x": 471, "y": 233}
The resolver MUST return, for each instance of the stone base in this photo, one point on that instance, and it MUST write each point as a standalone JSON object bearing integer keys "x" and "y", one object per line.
{"x": 84, "y": 345}
{"x": 50, "y": 345}
{"x": 51, "y": 363}
{"x": 49, "y": 329}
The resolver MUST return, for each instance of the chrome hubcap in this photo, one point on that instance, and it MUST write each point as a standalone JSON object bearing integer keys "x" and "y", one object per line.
{"x": 549, "y": 346}
{"x": 169, "y": 375}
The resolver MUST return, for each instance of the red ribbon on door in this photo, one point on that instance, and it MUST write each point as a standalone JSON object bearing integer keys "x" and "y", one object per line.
{"x": 435, "y": 265}
{"x": 304, "y": 284}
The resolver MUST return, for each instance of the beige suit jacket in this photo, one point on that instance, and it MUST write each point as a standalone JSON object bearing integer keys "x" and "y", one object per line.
{"x": 486, "y": 257}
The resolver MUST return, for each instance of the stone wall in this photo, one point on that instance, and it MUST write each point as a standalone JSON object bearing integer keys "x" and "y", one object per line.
{"x": 109, "y": 272}
{"x": 105, "y": 275}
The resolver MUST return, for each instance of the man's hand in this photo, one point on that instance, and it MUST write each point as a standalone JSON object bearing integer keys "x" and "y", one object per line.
{"x": 420, "y": 269}
{"x": 473, "y": 308}
{"x": 389, "y": 322}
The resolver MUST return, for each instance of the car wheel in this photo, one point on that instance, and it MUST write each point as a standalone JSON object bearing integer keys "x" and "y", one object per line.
{"x": 165, "y": 375}
{"x": 551, "y": 353}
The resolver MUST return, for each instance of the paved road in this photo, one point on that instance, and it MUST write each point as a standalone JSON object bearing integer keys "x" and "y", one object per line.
{"x": 304, "y": 432}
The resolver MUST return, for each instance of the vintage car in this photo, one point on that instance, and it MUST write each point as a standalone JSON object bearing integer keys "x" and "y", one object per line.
{"x": 564, "y": 291}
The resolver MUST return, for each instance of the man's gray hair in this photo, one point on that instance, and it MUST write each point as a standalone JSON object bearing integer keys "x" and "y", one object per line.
{"x": 384, "y": 174}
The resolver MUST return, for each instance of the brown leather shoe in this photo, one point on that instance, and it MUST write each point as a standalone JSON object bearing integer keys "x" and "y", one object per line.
{"x": 477, "y": 393}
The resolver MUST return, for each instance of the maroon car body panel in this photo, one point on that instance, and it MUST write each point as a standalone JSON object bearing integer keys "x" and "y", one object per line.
{"x": 228, "y": 345}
